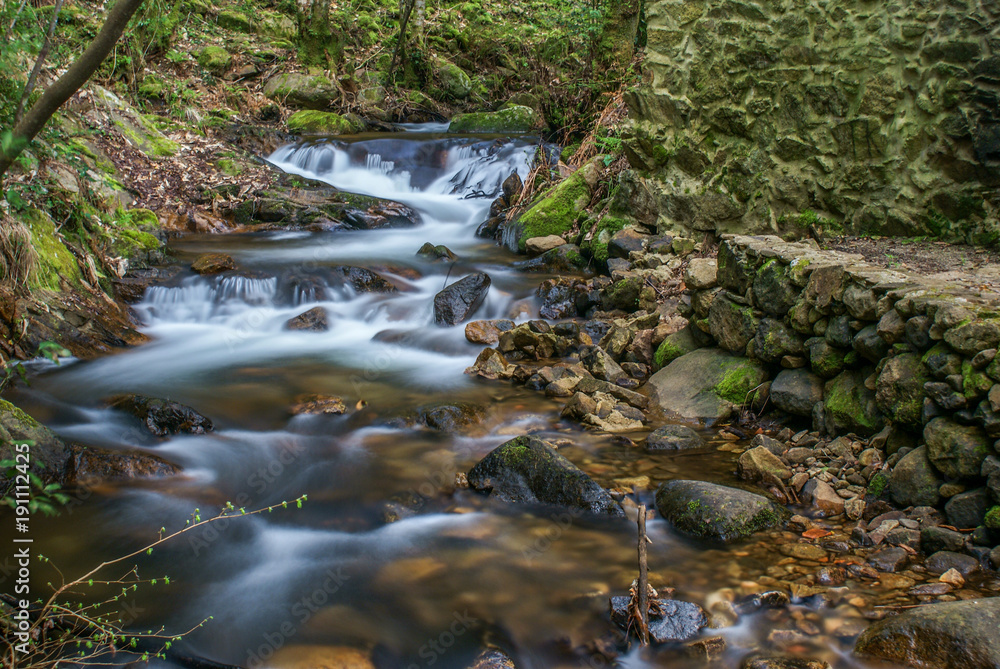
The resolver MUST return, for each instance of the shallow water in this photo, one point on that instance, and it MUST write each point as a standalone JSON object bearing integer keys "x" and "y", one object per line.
{"x": 336, "y": 572}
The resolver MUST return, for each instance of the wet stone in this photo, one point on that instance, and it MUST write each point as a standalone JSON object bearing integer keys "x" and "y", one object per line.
{"x": 889, "y": 559}
{"x": 673, "y": 438}
{"x": 942, "y": 561}
{"x": 314, "y": 320}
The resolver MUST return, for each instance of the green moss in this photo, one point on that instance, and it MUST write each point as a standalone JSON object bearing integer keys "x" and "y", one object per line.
{"x": 878, "y": 484}
{"x": 737, "y": 383}
{"x": 602, "y": 234}
{"x": 511, "y": 119}
{"x": 975, "y": 383}
{"x": 992, "y": 519}
{"x": 312, "y": 122}
{"x": 149, "y": 140}
{"x": 215, "y": 59}
{"x": 557, "y": 211}
{"x": 229, "y": 167}
{"x": 667, "y": 352}
{"x": 55, "y": 262}
{"x": 233, "y": 20}
{"x": 130, "y": 233}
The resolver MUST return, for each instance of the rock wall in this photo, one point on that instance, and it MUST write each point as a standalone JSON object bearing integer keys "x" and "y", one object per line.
{"x": 860, "y": 349}
{"x": 871, "y": 117}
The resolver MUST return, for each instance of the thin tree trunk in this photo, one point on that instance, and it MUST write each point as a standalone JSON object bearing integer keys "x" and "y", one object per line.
{"x": 17, "y": 15}
{"x": 42, "y": 55}
{"x": 643, "y": 579}
{"x": 69, "y": 83}
{"x": 418, "y": 25}
{"x": 402, "y": 38}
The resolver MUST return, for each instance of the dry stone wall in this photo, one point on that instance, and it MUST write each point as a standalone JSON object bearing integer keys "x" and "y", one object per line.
{"x": 880, "y": 117}
{"x": 908, "y": 361}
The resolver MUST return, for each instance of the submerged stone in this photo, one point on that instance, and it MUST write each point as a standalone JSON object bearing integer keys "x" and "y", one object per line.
{"x": 711, "y": 511}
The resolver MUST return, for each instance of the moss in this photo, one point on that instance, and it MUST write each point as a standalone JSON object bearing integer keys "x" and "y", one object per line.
{"x": 229, "y": 167}
{"x": 150, "y": 141}
{"x": 667, "y": 352}
{"x": 55, "y": 262}
{"x": 975, "y": 383}
{"x": 992, "y": 519}
{"x": 511, "y": 119}
{"x": 322, "y": 123}
{"x": 737, "y": 383}
{"x": 557, "y": 211}
{"x": 878, "y": 485}
{"x": 233, "y": 20}
{"x": 215, "y": 59}
{"x": 603, "y": 232}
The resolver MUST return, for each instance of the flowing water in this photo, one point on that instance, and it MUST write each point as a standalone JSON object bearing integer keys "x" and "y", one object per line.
{"x": 453, "y": 571}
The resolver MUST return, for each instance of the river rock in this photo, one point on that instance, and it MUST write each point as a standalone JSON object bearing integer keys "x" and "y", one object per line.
{"x": 711, "y": 511}
{"x": 315, "y": 404}
{"x": 942, "y": 561}
{"x": 782, "y": 662}
{"x": 162, "y": 417}
{"x": 677, "y": 621}
{"x": 967, "y": 510}
{"x": 890, "y": 558}
{"x": 213, "y": 263}
{"x": 625, "y": 242}
{"x": 899, "y": 391}
{"x": 314, "y": 320}
{"x": 945, "y": 635}
{"x": 512, "y": 119}
{"x": 536, "y": 246}
{"x": 673, "y": 438}
{"x": 461, "y": 299}
{"x": 431, "y": 252}
{"x": 957, "y": 451}
{"x": 318, "y": 657}
{"x": 50, "y": 456}
{"x": 849, "y": 406}
{"x": 913, "y": 481}
{"x": 91, "y": 465}
{"x": 491, "y": 658}
{"x": 487, "y": 332}
{"x": 822, "y": 496}
{"x": 451, "y": 417}
{"x": 361, "y": 280}
{"x": 760, "y": 465}
{"x": 598, "y": 362}
{"x": 934, "y": 539}
{"x": 301, "y": 90}
{"x": 705, "y": 386}
{"x": 701, "y": 274}
{"x": 796, "y": 391}
{"x": 528, "y": 470}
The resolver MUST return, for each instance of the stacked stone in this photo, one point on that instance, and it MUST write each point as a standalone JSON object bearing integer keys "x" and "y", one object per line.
{"x": 858, "y": 349}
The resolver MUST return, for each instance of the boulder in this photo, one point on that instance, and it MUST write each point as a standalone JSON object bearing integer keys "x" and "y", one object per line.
{"x": 215, "y": 59}
{"x": 461, "y": 299}
{"x": 314, "y": 320}
{"x": 213, "y": 263}
{"x": 966, "y": 510}
{"x": 361, "y": 280}
{"x": 900, "y": 392}
{"x": 773, "y": 291}
{"x": 313, "y": 122}
{"x": 673, "y": 438}
{"x": 732, "y": 325}
{"x": 849, "y": 406}
{"x": 555, "y": 212}
{"x": 782, "y": 662}
{"x": 92, "y": 465}
{"x": 598, "y": 362}
{"x": 452, "y": 79}
{"x": 760, "y": 465}
{"x": 487, "y": 332}
{"x": 913, "y": 481}
{"x": 451, "y": 417}
{"x": 561, "y": 259}
{"x": 302, "y": 90}
{"x": 822, "y": 496}
{"x": 491, "y": 658}
{"x": 705, "y": 386}
{"x": 711, "y": 511}
{"x": 944, "y": 561}
{"x": 676, "y": 620}
{"x": 624, "y": 242}
{"x": 50, "y": 457}
{"x": 701, "y": 274}
{"x": 536, "y": 246}
{"x": 440, "y": 252}
{"x": 957, "y": 451}
{"x": 796, "y": 391}
{"x": 163, "y": 417}
{"x": 513, "y": 119}
{"x": 945, "y": 635}
{"x": 528, "y": 470}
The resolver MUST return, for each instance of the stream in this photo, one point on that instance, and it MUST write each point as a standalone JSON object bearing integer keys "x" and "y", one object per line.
{"x": 454, "y": 571}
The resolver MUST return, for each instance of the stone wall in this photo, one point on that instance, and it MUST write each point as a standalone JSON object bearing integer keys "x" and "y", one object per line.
{"x": 859, "y": 349}
{"x": 868, "y": 116}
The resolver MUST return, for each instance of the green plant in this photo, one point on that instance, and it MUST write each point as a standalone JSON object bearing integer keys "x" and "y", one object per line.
{"x": 71, "y": 629}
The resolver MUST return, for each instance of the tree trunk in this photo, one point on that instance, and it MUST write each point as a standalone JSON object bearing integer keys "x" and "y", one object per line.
{"x": 418, "y": 25}
{"x": 69, "y": 83}
{"x": 315, "y": 36}
{"x": 42, "y": 55}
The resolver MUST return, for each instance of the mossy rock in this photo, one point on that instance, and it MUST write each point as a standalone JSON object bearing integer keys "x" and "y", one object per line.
{"x": 674, "y": 346}
{"x": 605, "y": 229}
{"x": 215, "y": 59}
{"x": 557, "y": 211}
{"x": 302, "y": 90}
{"x": 55, "y": 264}
{"x": 527, "y": 470}
{"x": 141, "y": 134}
{"x": 233, "y": 20}
{"x": 849, "y": 406}
{"x": 310, "y": 122}
{"x": 452, "y": 80}
{"x": 272, "y": 24}
{"x": 50, "y": 457}
{"x": 513, "y": 119}
{"x": 715, "y": 512}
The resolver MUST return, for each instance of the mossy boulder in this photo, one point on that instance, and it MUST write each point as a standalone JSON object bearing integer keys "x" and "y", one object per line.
{"x": 233, "y": 20}
{"x": 732, "y": 325}
{"x": 510, "y": 120}
{"x": 945, "y": 635}
{"x": 674, "y": 346}
{"x": 900, "y": 392}
{"x": 50, "y": 457}
{"x": 913, "y": 481}
{"x": 215, "y": 59}
{"x": 452, "y": 80}
{"x": 311, "y": 122}
{"x": 558, "y": 209}
{"x": 527, "y": 470}
{"x": 56, "y": 266}
{"x": 705, "y": 386}
{"x": 715, "y": 512}
{"x": 849, "y": 406}
{"x": 272, "y": 24}
{"x": 302, "y": 90}
{"x": 957, "y": 451}
{"x": 163, "y": 417}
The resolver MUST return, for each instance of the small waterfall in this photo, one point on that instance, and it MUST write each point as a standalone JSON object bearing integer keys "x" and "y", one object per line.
{"x": 252, "y": 291}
